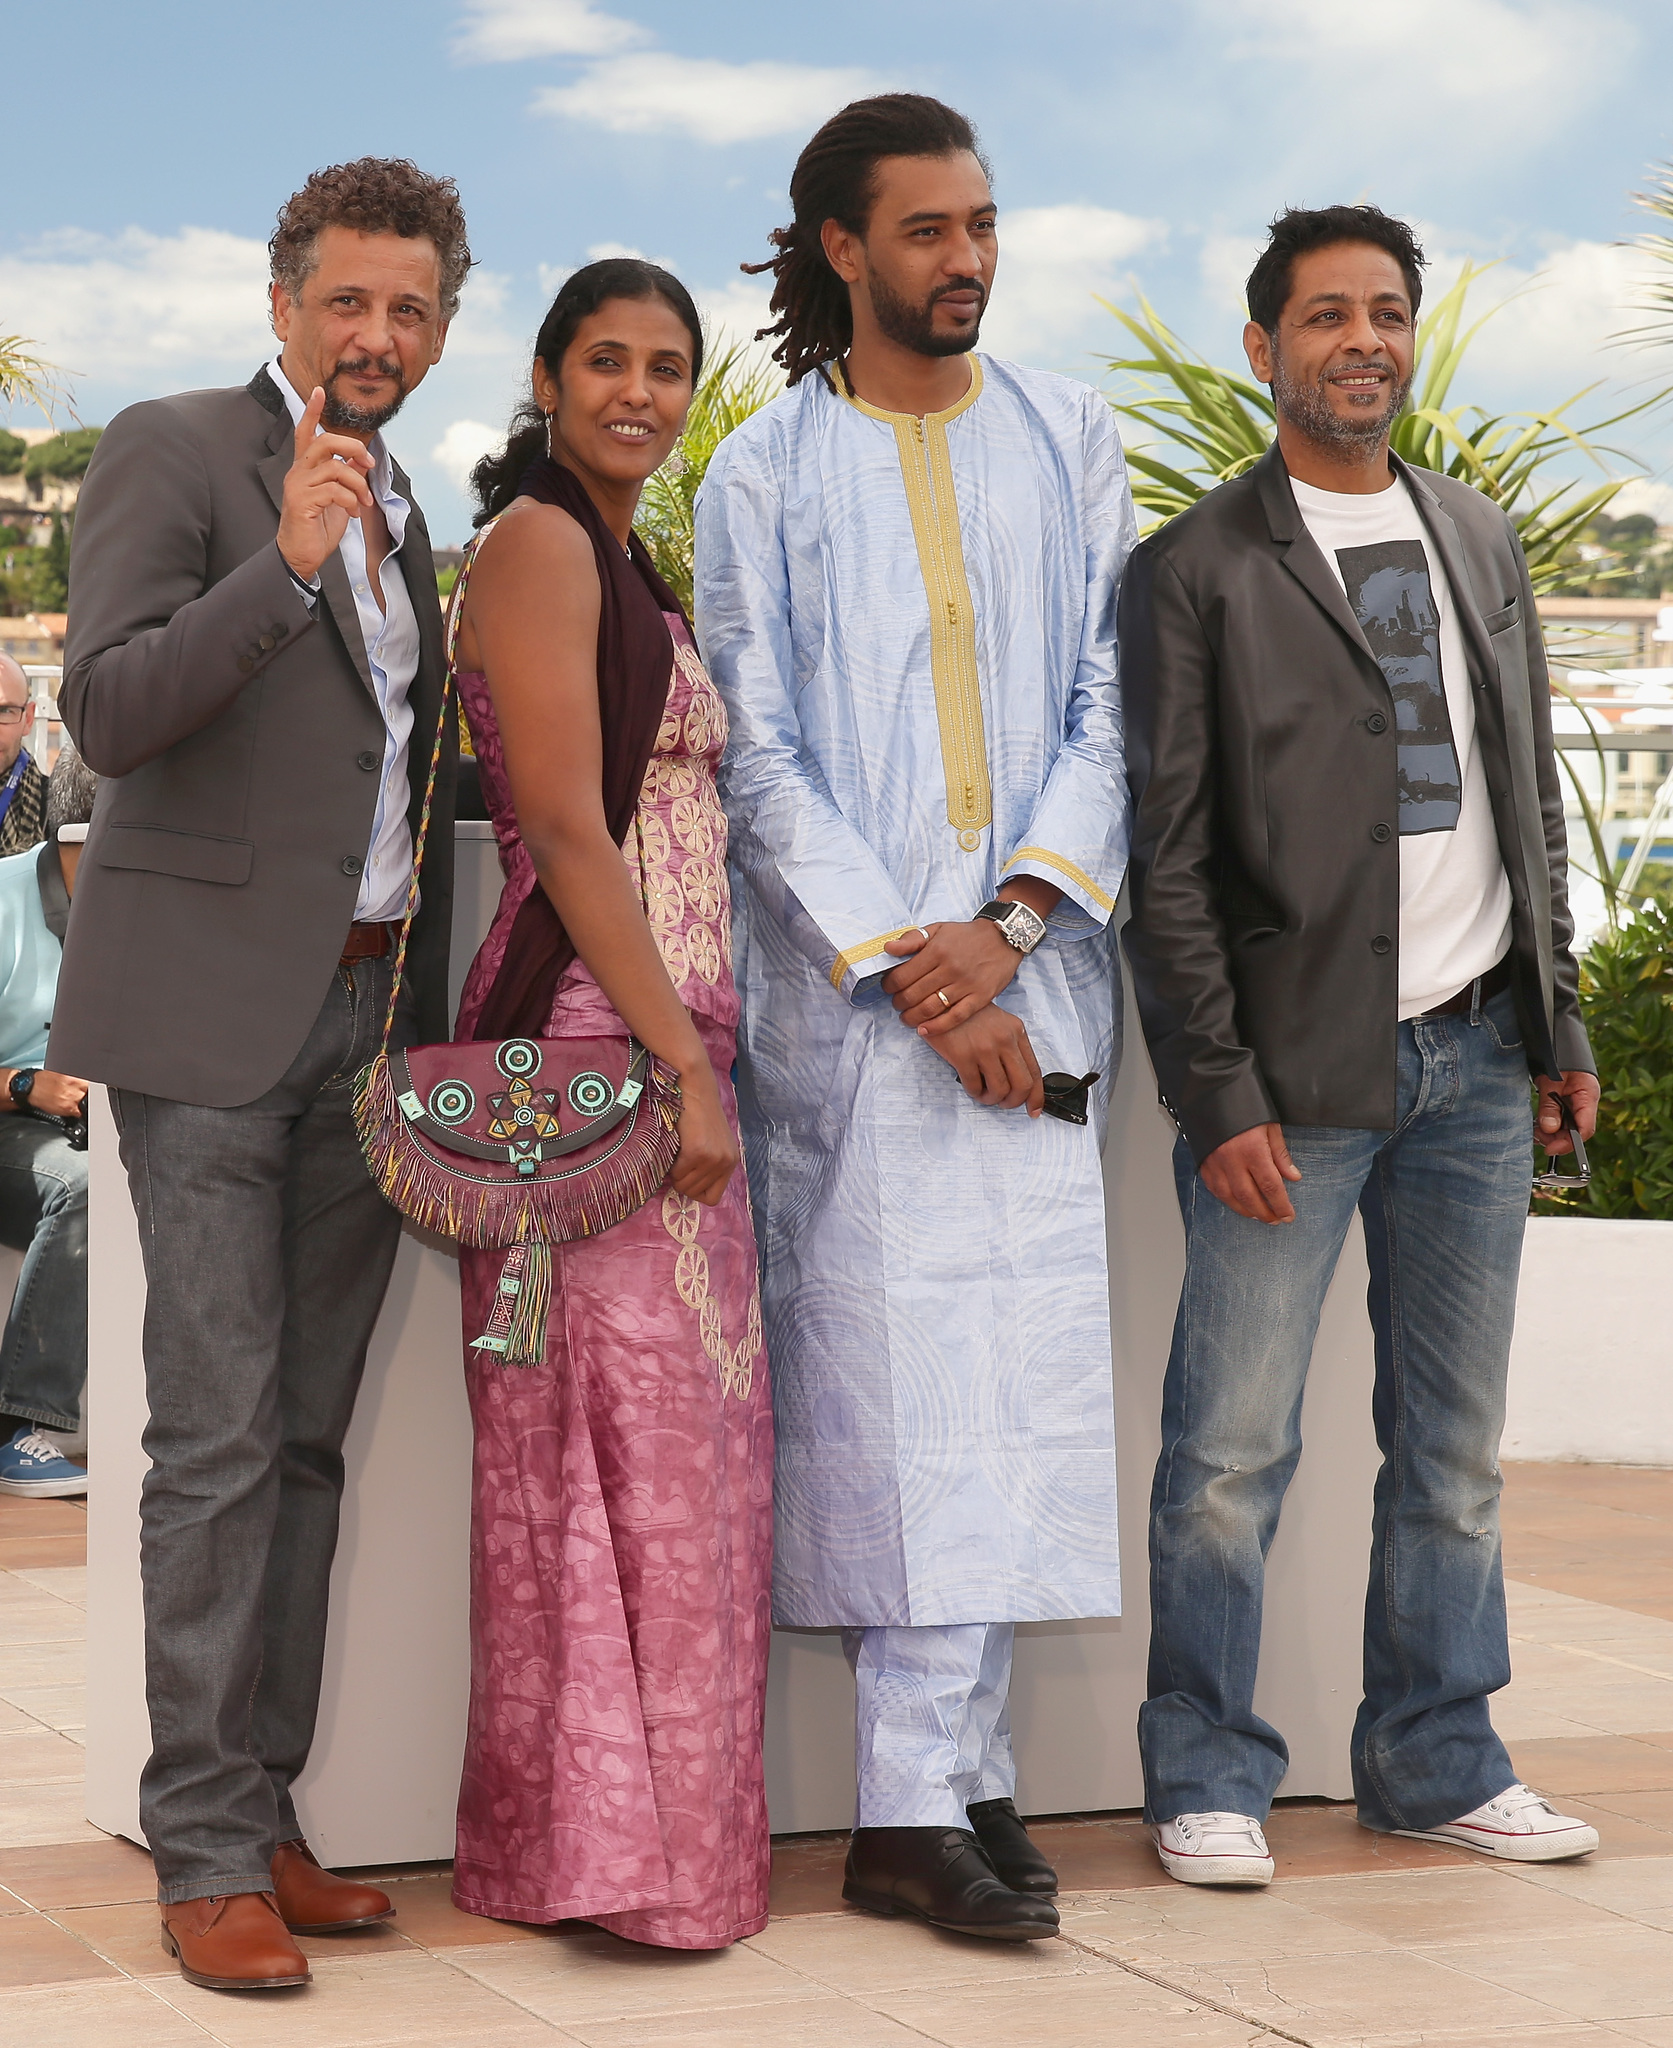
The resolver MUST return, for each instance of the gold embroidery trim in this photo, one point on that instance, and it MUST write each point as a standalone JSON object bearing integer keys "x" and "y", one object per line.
{"x": 1078, "y": 876}
{"x": 681, "y": 1218}
{"x": 868, "y": 950}
{"x": 926, "y": 469}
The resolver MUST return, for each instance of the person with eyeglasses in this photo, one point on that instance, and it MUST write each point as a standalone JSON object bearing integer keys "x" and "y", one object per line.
{"x": 22, "y": 785}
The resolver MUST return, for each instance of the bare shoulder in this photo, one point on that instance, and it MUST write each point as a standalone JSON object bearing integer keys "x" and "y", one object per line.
{"x": 538, "y": 545}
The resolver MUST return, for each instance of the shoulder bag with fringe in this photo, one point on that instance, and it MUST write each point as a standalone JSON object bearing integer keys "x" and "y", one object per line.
{"x": 518, "y": 1144}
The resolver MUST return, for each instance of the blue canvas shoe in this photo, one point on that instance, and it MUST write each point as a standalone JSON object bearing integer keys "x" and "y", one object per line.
{"x": 30, "y": 1465}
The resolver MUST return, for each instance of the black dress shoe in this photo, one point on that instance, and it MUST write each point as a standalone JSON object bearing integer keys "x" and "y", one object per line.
{"x": 1006, "y": 1843}
{"x": 940, "y": 1875}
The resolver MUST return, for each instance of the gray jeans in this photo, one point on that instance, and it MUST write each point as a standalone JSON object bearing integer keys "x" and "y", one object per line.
{"x": 267, "y": 1251}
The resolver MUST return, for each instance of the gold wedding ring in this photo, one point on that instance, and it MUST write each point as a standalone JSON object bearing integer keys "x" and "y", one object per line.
{"x": 946, "y": 1000}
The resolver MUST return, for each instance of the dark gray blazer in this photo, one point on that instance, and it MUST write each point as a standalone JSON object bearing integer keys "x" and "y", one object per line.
{"x": 241, "y": 744}
{"x": 1264, "y": 938}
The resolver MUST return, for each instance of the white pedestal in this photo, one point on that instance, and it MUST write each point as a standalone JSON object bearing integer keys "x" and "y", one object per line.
{"x": 381, "y": 1783}
{"x": 1591, "y": 1371}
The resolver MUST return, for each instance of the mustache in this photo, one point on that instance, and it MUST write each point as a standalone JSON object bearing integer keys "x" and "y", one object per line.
{"x": 961, "y": 284}
{"x": 357, "y": 366}
{"x": 1380, "y": 364}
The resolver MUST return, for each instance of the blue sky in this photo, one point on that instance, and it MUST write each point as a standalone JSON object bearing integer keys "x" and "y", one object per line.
{"x": 1135, "y": 143}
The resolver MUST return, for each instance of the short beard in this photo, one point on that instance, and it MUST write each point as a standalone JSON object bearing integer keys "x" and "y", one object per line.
{"x": 1306, "y": 408}
{"x": 343, "y": 416}
{"x": 913, "y": 326}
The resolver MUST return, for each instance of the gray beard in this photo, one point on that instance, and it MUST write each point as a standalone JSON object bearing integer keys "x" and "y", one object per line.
{"x": 343, "y": 416}
{"x": 1306, "y": 408}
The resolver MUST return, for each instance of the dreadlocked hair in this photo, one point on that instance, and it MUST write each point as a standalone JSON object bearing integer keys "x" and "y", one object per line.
{"x": 836, "y": 179}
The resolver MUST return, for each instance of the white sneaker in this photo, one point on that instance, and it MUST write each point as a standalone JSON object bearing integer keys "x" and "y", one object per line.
{"x": 1214, "y": 1848}
{"x": 1519, "y": 1825}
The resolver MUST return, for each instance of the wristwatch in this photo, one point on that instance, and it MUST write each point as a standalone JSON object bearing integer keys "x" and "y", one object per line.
{"x": 1022, "y": 927}
{"x": 21, "y": 1085}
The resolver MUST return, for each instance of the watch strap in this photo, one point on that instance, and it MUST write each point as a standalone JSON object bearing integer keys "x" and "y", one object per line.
{"x": 1024, "y": 931}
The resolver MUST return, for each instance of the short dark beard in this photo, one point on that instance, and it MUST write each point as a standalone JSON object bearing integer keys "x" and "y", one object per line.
{"x": 1306, "y": 408}
{"x": 343, "y": 416}
{"x": 913, "y": 326}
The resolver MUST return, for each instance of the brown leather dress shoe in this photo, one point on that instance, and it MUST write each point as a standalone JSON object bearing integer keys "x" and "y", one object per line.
{"x": 233, "y": 1944}
{"x": 315, "y": 1901}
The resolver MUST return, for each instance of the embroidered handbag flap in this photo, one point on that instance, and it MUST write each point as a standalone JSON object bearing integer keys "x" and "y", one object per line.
{"x": 522, "y": 1109}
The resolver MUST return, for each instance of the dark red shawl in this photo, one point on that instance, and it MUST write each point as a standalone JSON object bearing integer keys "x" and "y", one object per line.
{"x": 635, "y": 663}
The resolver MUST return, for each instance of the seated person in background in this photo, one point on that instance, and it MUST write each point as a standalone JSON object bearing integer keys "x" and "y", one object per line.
{"x": 22, "y": 785}
{"x": 43, "y": 1152}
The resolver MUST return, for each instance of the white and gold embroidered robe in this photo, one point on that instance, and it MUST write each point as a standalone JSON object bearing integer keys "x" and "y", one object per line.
{"x": 913, "y": 625}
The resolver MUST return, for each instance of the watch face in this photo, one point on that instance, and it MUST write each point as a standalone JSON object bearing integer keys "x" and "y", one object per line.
{"x": 1027, "y": 924}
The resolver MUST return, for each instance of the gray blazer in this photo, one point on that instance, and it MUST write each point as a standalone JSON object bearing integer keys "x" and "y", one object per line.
{"x": 1264, "y": 938}
{"x": 241, "y": 744}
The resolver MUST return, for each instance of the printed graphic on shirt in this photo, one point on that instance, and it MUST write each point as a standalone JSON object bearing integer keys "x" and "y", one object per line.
{"x": 1389, "y": 588}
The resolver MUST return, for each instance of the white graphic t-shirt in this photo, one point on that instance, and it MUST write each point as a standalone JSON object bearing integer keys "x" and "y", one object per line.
{"x": 1454, "y": 894}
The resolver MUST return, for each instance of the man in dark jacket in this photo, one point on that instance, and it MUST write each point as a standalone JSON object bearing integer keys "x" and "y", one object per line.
{"x": 255, "y": 666}
{"x": 1351, "y": 945}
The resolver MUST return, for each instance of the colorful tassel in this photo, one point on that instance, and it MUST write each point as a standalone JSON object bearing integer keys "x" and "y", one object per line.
{"x": 526, "y": 1338}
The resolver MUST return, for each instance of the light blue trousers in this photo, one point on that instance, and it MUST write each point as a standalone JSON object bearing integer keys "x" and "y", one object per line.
{"x": 932, "y": 1722}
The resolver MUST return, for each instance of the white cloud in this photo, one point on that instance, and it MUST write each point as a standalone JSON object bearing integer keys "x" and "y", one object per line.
{"x": 1556, "y": 327}
{"x": 1054, "y": 263}
{"x": 656, "y": 92}
{"x": 1479, "y": 76}
{"x": 127, "y": 305}
{"x": 1224, "y": 264}
{"x": 502, "y": 31}
{"x": 462, "y": 447}
{"x": 732, "y": 312}
{"x": 1643, "y": 494}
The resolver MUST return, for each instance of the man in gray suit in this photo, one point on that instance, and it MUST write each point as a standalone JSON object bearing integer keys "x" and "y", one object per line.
{"x": 255, "y": 667}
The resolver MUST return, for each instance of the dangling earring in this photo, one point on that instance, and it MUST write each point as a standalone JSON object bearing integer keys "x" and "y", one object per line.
{"x": 549, "y": 455}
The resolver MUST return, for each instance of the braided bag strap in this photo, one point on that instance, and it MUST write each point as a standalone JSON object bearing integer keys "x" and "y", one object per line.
{"x": 449, "y": 688}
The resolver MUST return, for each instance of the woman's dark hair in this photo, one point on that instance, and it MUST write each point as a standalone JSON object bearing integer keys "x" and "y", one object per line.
{"x": 1299, "y": 230}
{"x": 836, "y": 179}
{"x": 496, "y": 477}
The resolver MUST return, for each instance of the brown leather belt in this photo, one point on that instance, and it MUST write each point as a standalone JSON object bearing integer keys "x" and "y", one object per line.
{"x": 366, "y": 942}
{"x": 1494, "y": 982}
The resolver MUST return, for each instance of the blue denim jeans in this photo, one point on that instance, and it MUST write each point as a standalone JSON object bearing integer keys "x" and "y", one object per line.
{"x": 1444, "y": 1197}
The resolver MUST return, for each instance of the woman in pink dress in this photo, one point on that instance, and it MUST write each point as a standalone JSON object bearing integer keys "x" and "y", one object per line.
{"x": 622, "y": 1520}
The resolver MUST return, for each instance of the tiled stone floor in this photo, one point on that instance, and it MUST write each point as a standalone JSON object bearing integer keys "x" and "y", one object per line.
{"x": 1362, "y": 1942}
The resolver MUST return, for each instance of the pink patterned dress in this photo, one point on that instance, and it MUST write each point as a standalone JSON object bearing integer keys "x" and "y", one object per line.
{"x": 621, "y": 1533}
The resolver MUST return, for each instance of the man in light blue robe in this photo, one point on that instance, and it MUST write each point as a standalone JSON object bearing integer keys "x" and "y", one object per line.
{"x": 909, "y": 609}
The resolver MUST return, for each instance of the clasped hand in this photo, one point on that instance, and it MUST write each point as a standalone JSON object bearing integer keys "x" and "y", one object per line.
{"x": 325, "y": 487}
{"x": 986, "y": 1046}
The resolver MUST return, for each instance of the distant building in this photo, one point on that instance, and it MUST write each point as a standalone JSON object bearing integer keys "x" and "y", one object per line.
{"x": 29, "y": 503}
{"x": 36, "y": 640}
{"x": 1608, "y": 632}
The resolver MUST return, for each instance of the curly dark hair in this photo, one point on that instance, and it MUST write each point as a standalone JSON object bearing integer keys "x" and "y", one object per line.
{"x": 1299, "y": 230}
{"x": 836, "y": 179}
{"x": 376, "y": 195}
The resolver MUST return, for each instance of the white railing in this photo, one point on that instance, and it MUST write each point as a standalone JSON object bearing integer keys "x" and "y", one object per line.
{"x": 42, "y": 736}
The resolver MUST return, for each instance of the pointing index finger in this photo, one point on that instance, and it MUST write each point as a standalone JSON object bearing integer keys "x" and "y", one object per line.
{"x": 308, "y": 426}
